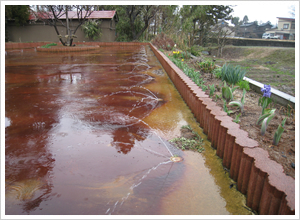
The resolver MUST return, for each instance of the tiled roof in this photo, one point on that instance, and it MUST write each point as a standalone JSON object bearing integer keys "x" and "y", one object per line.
{"x": 73, "y": 15}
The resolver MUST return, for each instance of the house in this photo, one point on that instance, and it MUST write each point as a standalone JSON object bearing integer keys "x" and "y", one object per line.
{"x": 222, "y": 27}
{"x": 285, "y": 29}
{"x": 262, "y": 29}
{"x": 38, "y": 30}
{"x": 252, "y": 30}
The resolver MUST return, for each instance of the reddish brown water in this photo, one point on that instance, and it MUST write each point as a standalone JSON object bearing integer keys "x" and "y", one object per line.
{"x": 86, "y": 134}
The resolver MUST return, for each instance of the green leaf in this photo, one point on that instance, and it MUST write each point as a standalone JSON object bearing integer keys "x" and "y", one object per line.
{"x": 277, "y": 135}
{"x": 279, "y": 132}
{"x": 263, "y": 127}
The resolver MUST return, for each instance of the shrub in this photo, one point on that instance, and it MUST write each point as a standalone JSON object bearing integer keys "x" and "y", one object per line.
{"x": 195, "y": 50}
{"x": 49, "y": 45}
{"x": 232, "y": 74}
{"x": 243, "y": 84}
{"x": 91, "y": 29}
{"x": 163, "y": 41}
{"x": 207, "y": 66}
{"x": 217, "y": 72}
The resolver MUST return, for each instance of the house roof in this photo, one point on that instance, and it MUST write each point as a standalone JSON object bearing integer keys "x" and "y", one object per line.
{"x": 290, "y": 19}
{"x": 247, "y": 24}
{"x": 73, "y": 15}
{"x": 265, "y": 24}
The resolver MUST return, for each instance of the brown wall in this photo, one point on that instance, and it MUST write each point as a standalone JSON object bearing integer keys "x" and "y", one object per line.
{"x": 41, "y": 32}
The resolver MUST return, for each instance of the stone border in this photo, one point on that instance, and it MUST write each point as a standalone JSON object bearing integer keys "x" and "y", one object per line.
{"x": 262, "y": 180}
{"x": 268, "y": 190}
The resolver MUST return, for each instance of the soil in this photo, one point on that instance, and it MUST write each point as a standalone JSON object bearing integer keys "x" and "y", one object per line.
{"x": 284, "y": 153}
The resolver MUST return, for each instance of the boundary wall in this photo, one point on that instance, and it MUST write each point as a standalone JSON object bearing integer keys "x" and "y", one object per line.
{"x": 268, "y": 190}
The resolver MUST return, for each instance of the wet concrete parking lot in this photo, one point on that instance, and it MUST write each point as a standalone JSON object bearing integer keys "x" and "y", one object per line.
{"x": 87, "y": 134}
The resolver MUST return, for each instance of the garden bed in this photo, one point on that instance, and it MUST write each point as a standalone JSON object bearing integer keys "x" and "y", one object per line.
{"x": 284, "y": 152}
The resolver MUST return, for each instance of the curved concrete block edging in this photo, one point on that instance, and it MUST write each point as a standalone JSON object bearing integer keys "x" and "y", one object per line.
{"x": 262, "y": 180}
{"x": 268, "y": 190}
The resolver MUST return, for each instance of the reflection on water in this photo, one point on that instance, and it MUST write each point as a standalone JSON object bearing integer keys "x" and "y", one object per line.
{"x": 86, "y": 134}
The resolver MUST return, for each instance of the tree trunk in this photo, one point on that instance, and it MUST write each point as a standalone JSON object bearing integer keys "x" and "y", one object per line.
{"x": 68, "y": 27}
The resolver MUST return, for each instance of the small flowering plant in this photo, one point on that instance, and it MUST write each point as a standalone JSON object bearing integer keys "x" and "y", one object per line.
{"x": 265, "y": 100}
{"x": 266, "y": 91}
{"x": 176, "y": 54}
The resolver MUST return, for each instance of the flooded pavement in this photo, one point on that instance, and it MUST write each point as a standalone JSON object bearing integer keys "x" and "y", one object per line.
{"x": 86, "y": 134}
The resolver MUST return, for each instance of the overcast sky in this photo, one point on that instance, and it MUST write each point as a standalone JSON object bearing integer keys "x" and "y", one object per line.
{"x": 263, "y": 10}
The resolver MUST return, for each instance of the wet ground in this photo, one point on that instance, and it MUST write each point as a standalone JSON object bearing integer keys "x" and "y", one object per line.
{"x": 86, "y": 134}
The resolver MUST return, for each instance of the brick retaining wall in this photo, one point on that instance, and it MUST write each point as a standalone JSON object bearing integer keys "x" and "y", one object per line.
{"x": 262, "y": 180}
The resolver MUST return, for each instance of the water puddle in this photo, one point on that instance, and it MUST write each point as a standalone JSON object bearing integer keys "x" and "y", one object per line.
{"x": 86, "y": 134}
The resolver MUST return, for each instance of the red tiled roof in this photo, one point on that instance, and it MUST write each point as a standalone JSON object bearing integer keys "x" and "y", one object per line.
{"x": 73, "y": 15}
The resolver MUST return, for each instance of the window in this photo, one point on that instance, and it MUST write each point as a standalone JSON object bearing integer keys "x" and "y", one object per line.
{"x": 286, "y": 26}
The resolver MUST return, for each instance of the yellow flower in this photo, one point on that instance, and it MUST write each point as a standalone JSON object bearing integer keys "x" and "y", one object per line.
{"x": 182, "y": 60}
{"x": 174, "y": 51}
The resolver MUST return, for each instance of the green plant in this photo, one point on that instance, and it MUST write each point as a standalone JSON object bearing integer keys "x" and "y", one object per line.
{"x": 217, "y": 97}
{"x": 91, "y": 29}
{"x": 264, "y": 102}
{"x": 243, "y": 84}
{"x": 289, "y": 110}
{"x": 265, "y": 119}
{"x": 190, "y": 72}
{"x": 211, "y": 90}
{"x": 194, "y": 51}
{"x": 232, "y": 74}
{"x": 241, "y": 103}
{"x": 225, "y": 108}
{"x": 176, "y": 54}
{"x": 207, "y": 66}
{"x": 203, "y": 87}
{"x": 194, "y": 143}
{"x": 217, "y": 72}
{"x": 227, "y": 92}
{"x": 49, "y": 45}
{"x": 185, "y": 55}
{"x": 279, "y": 132}
{"x": 237, "y": 118}
{"x": 186, "y": 126}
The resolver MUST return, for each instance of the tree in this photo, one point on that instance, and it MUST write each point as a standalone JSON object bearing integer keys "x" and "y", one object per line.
{"x": 143, "y": 12}
{"x": 53, "y": 14}
{"x": 236, "y": 21}
{"x": 18, "y": 13}
{"x": 91, "y": 29}
{"x": 292, "y": 12}
{"x": 245, "y": 19}
{"x": 221, "y": 31}
{"x": 133, "y": 20}
{"x": 198, "y": 19}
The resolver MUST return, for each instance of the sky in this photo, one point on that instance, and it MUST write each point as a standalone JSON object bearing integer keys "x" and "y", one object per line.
{"x": 263, "y": 10}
